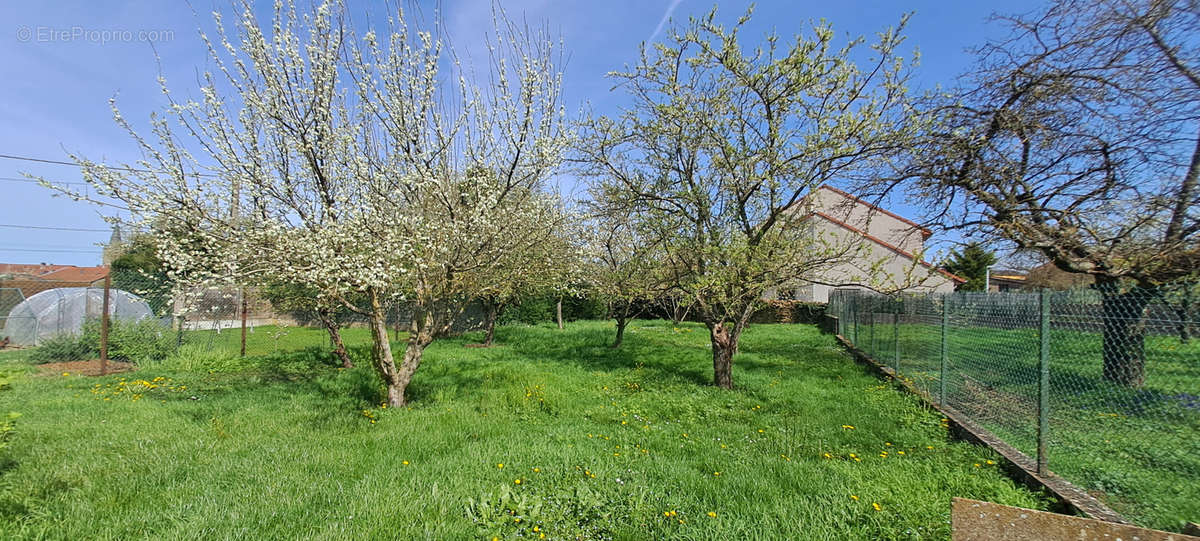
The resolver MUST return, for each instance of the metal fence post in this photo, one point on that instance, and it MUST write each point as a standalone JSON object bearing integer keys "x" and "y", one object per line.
{"x": 1043, "y": 383}
{"x": 104, "y": 326}
{"x": 945, "y": 348}
{"x": 854, "y": 314}
{"x": 872, "y": 346}
{"x": 245, "y": 312}
{"x": 896, "y": 335}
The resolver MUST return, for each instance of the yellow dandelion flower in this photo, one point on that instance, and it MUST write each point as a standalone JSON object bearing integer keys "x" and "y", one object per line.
{"x": 930, "y": 447}
{"x": 976, "y": 464}
{"x": 853, "y": 497}
{"x": 716, "y": 474}
{"x": 500, "y": 465}
{"x": 537, "y": 470}
{"x": 887, "y": 443}
{"x": 899, "y": 452}
{"x": 712, "y": 514}
{"x": 518, "y": 481}
{"x": 876, "y": 506}
{"x": 405, "y": 462}
{"x": 65, "y": 374}
{"x": 989, "y": 463}
{"x": 827, "y": 455}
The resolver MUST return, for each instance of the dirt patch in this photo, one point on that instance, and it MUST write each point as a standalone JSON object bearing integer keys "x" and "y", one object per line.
{"x": 85, "y": 368}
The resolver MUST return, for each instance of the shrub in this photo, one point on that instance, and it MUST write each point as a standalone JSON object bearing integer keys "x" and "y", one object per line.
{"x": 133, "y": 341}
{"x": 140, "y": 341}
{"x": 66, "y": 347}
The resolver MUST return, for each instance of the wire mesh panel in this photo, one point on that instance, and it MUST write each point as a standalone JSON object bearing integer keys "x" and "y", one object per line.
{"x": 993, "y": 363}
{"x": 1101, "y": 385}
{"x": 921, "y": 342}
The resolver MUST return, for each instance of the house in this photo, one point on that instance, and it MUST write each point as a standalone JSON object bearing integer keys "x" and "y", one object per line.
{"x": 880, "y": 250}
{"x": 1000, "y": 281}
{"x": 1048, "y": 276}
{"x": 19, "y": 282}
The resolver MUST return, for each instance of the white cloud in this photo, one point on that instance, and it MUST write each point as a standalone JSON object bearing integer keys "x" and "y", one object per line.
{"x": 666, "y": 17}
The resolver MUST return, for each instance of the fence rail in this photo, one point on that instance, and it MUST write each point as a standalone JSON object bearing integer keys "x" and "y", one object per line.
{"x": 1099, "y": 387}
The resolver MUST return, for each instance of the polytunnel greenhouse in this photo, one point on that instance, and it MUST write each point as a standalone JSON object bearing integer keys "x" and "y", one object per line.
{"x": 63, "y": 310}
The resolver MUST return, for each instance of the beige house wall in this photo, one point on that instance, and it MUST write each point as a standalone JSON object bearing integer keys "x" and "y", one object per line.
{"x": 867, "y": 264}
{"x": 869, "y": 220}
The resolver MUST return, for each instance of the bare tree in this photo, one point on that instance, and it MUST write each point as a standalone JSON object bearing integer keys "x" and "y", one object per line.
{"x": 1077, "y": 137}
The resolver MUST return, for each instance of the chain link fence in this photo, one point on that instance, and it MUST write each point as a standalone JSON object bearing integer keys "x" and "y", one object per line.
{"x": 150, "y": 318}
{"x": 1101, "y": 387}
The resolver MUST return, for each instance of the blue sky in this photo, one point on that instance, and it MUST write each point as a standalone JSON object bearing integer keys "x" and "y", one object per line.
{"x": 63, "y": 61}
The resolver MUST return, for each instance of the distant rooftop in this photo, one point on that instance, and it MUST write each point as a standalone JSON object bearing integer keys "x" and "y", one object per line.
{"x": 55, "y": 273}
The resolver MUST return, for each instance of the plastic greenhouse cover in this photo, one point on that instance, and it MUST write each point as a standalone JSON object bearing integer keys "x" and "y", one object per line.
{"x": 63, "y": 310}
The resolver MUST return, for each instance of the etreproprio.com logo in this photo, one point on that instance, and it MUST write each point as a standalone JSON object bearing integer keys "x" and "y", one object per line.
{"x": 50, "y": 34}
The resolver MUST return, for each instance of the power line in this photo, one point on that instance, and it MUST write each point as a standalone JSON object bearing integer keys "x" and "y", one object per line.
{"x": 33, "y": 181}
{"x": 41, "y": 160}
{"x": 114, "y": 168}
{"x": 51, "y": 228}
{"x": 51, "y": 250}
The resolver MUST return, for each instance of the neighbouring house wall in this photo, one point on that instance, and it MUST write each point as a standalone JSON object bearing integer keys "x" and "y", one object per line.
{"x": 872, "y": 221}
{"x": 868, "y": 265}
{"x": 894, "y": 265}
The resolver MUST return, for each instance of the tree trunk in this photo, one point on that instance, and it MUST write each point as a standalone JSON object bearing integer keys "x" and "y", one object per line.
{"x": 679, "y": 313}
{"x": 381, "y": 353}
{"x": 724, "y": 345}
{"x": 559, "y": 310}
{"x": 419, "y": 337}
{"x": 335, "y": 337}
{"x": 622, "y": 321}
{"x": 493, "y": 313}
{"x": 1124, "y": 349}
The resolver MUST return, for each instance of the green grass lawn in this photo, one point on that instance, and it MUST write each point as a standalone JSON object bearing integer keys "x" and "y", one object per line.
{"x": 1138, "y": 449}
{"x": 269, "y": 339}
{"x": 549, "y": 433}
